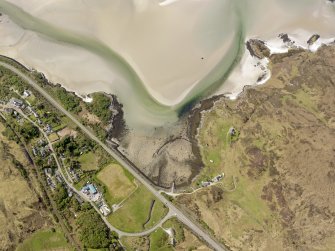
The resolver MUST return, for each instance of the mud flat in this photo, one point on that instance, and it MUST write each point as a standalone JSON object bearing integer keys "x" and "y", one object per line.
{"x": 159, "y": 78}
{"x": 171, "y": 154}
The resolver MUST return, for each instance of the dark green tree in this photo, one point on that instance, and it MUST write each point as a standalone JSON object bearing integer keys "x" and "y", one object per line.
{"x": 100, "y": 106}
{"x": 92, "y": 230}
{"x": 29, "y": 131}
{"x": 61, "y": 197}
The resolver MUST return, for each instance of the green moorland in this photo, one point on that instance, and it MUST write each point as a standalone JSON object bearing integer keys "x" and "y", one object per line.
{"x": 283, "y": 154}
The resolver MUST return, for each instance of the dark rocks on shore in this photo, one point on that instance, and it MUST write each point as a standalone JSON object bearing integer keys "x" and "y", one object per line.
{"x": 117, "y": 128}
{"x": 313, "y": 39}
{"x": 285, "y": 38}
{"x": 193, "y": 121}
{"x": 257, "y": 48}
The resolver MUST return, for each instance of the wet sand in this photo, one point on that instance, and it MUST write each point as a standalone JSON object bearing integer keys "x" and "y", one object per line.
{"x": 156, "y": 56}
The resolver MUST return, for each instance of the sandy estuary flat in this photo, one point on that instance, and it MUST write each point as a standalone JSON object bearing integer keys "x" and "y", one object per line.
{"x": 156, "y": 56}
{"x": 223, "y": 108}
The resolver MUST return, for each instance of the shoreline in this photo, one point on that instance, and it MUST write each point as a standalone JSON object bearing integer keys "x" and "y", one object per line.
{"x": 75, "y": 56}
{"x": 210, "y": 103}
{"x": 191, "y": 120}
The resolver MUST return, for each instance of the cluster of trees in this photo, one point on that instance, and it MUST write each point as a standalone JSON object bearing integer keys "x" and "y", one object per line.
{"x": 100, "y": 132}
{"x": 61, "y": 197}
{"x": 20, "y": 167}
{"x": 92, "y": 230}
{"x": 48, "y": 114}
{"x": 16, "y": 82}
{"x": 72, "y": 147}
{"x": 100, "y": 107}
{"x": 4, "y": 92}
{"x": 9, "y": 81}
{"x": 29, "y": 131}
{"x": 69, "y": 100}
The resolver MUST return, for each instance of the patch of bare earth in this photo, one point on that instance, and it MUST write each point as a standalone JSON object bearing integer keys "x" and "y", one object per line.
{"x": 67, "y": 132}
{"x": 89, "y": 117}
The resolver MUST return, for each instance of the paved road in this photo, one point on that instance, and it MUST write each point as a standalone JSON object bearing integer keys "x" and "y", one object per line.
{"x": 53, "y": 205}
{"x": 81, "y": 194}
{"x": 123, "y": 161}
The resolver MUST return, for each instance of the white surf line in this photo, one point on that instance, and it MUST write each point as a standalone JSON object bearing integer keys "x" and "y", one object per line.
{"x": 297, "y": 40}
{"x": 253, "y": 68}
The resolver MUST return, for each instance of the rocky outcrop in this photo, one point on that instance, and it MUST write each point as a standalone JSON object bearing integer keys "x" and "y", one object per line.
{"x": 257, "y": 48}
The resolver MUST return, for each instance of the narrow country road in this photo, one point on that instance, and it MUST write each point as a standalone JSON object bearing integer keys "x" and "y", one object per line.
{"x": 79, "y": 193}
{"x": 123, "y": 161}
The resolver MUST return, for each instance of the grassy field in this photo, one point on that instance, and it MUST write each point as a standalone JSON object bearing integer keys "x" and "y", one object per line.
{"x": 136, "y": 243}
{"x": 118, "y": 184}
{"x": 177, "y": 227}
{"x": 18, "y": 202}
{"x": 156, "y": 214}
{"x": 31, "y": 99}
{"x": 249, "y": 209}
{"x": 53, "y": 137}
{"x": 89, "y": 161}
{"x": 242, "y": 208}
{"x": 100, "y": 249}
{"x": 284, "y": 153}
{"x": 184, "y": 239}
{"x": 45, "y": 240}
{"x": 215, "y": 133}
{"x": 134, "y": 213}
{"x": 159, "y": 241}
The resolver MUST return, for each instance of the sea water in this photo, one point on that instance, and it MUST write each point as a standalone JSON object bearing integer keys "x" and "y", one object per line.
{"x": 157, "y": 56}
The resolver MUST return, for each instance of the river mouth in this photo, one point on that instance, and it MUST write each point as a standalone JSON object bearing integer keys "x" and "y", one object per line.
{"x": 158, "y": 57}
